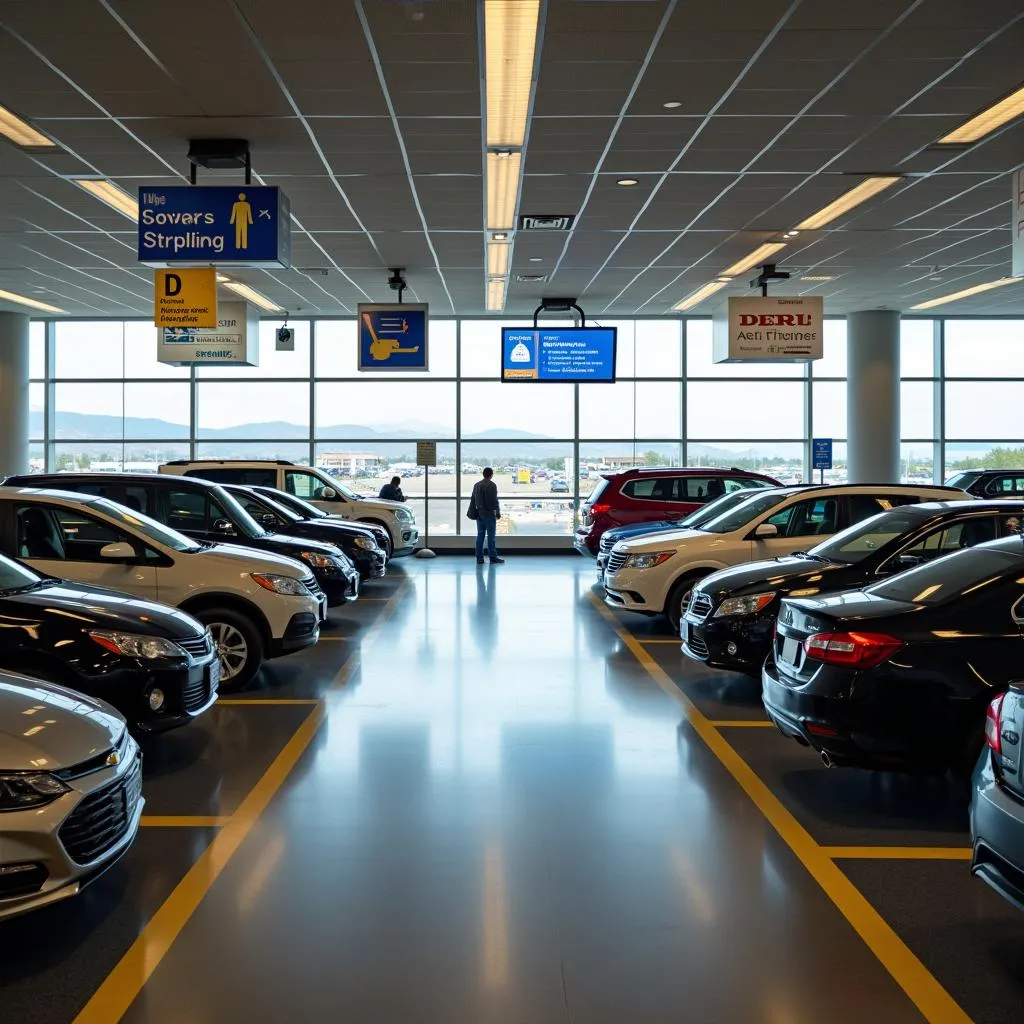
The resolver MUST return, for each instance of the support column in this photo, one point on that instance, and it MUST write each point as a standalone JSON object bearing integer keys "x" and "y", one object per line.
{"x": 14, "y": 429}
{"x": 873, "y": 396}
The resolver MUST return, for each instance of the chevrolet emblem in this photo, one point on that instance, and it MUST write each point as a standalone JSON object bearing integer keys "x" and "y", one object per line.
{"x": 113, "y": 758}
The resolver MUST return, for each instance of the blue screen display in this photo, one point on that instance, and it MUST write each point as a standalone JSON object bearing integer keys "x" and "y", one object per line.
{"x": 565, "y": 354}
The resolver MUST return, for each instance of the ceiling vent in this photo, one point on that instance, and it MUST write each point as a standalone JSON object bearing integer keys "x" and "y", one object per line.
{"x": 546, "y": 222}
{"x": 531, "y": 278}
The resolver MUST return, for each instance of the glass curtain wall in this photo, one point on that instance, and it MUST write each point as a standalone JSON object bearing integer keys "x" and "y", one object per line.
{"x": 101, "y": 401}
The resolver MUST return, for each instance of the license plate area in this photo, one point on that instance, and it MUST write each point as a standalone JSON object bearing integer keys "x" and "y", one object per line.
{"x": 789, "y": 652}
{"x": 213, "y": 675}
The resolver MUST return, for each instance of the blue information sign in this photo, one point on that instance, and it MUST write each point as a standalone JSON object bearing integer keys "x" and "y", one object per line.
{"x": 564, "y": 354}
{"x": 240, "y": 225}
{"x": 393, "y": 337}
{"x": 821, "y": 451}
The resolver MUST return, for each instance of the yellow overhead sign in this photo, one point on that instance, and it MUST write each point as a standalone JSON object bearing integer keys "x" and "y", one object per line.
{"x": 185, "y": 298}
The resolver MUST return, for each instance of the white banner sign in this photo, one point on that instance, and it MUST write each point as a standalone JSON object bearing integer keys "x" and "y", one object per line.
{"x": 785, "y": 328}
{"x": 235, "y": 339}
{"x": 1017, "y": 226}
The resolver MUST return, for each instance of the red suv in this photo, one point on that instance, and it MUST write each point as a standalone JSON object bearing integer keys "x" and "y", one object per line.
{"x": 649, "y": 495}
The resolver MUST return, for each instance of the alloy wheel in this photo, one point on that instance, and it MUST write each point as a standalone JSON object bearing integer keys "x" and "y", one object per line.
{"x": 231, "y": 647}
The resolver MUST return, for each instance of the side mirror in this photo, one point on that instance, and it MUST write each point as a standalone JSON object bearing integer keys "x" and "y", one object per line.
{"x": 907, "y": 562}
{"x": 118, "y": 551}
{"x": 224, "y": 526}
{"x": 766, "y": 530}
{"x": 328, "y": 494}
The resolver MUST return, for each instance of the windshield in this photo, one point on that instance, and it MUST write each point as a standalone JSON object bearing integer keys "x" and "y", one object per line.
{"x": 713, "y": 509}
{"x": 745, "y": 512}
{"x": 301, "y": 507}
{"x": 864, "y": 538}
{"x": 245, "y": 522}
{"x": 14, "y": 576}
{"x": 136, "y": 522}
{"x": 946, "y": 578}
{"x": 260, "y": 504}
{"x": 963, "y": 480}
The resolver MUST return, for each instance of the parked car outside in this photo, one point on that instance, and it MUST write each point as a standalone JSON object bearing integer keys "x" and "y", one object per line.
{"x": 256, "y": 604}
{"x": 153, "y": 663}
{"x": 70, "y": 792}
{"x": 326, "y": 492}
{"x": 731, "y": 616}
{"x": 559, "y": 486}
{"x": 650, "y": 495}
{"x": 656, "y": 575}
{"x": 898, "y": 676}
{"x": 990, "y": 483}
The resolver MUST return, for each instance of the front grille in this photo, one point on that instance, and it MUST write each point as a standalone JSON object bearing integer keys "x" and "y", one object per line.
{"x": 313, "y": 587}
{"x": 695, "y": 642}
{"x": 96, "y": 762}
{"x": 616, "y": 560}
{"x": 700, "y": 606}
{"x": 607, "y": 543}
{"x": 198, "y": 646}
{"x": 102, "y": 819}
{"x": 195, "y": 695}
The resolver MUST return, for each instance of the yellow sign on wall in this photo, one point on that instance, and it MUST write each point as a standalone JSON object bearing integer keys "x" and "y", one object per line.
{"x": 185, "y": 298}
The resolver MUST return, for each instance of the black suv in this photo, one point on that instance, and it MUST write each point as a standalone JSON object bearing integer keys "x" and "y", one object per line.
{"x": 990, "y": 483}
{"x": 206, "y": 512}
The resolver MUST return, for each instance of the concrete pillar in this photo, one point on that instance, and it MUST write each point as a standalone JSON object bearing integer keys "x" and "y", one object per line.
{"x": 14, "y": 429}
{"x": 873, "y": 396}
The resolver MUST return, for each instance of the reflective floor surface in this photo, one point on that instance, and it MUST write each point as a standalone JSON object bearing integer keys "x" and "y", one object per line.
{"x": 474, "y": 803}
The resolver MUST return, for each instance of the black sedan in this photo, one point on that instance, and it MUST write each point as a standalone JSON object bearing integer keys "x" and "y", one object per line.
{"x": 155, "y": 664}
{"x": 359, "y": 544}
{"x": 729, "y": 621}
{"x": 898, "y": 676}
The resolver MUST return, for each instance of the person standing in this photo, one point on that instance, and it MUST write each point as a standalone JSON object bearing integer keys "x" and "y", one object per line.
{"x": 484, "y": 508}
{"x": 392, "y": 491}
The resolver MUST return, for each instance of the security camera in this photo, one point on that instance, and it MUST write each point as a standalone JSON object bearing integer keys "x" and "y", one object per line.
{"x": 285, "y": 335}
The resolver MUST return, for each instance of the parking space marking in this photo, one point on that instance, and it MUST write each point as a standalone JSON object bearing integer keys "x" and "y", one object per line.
{"x": 660, "y": 640}
{"x": 183, "y": 821}
{"x": 350, "y": 664}
{"x": 898, "y": 852}
{"x": 743, "y": 723}
{"x": 920, "y": 985}
{"x": 241, "y": 701}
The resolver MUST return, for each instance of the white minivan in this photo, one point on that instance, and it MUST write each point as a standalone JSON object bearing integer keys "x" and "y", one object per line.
{"x": 313, "y": 485}
{"x": 256, "y": 604}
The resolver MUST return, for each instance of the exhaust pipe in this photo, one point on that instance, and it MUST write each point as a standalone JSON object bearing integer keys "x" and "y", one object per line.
{"x": 826, "y": 760}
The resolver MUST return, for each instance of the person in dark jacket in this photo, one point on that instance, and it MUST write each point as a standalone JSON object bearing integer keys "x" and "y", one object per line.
{"x": 485, "y": 501}
{"x": 392, "y": 491}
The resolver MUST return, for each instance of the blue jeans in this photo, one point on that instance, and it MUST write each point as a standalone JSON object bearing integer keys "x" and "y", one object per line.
{"x": 486, "y": 526}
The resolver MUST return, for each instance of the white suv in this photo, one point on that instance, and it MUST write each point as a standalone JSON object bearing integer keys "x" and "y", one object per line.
{"x": 654, "y": 575}
{"x": 315, "y": 486}
{"x": 256, "y": 604}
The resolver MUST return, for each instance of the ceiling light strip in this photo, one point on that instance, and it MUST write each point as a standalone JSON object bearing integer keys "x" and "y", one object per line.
{"x": 496, "y": 294}
{"x": 109, "y": 193}
{"x": 497, "y": 259}
{"x": 23, "y": 300}
{"x": 250, "y": 295}
{"x": 848, "y": 200}
{"x": 502, "y": 190}
{"x": 761, "y": 253}
{"x": 1006, "y": 110}
{"x": 510, "y": 40}
{"x": 700, "y": 295}
{"x": 967, "y": 292}
{"x": 21, "y": 133}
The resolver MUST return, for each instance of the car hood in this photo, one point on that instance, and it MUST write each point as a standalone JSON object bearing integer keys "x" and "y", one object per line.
{"x": 667, "y": 539}
{"x": 617, "y": 533}
{"x": 45, "y": 727}
{"x": 249, "y": 560}
{"x": 332, "y": 531}
{"x": 90, "y": 607}
{"x": 293, "y": 546}
{"x": 381, "y": 505}
{"x": 787, "y": 574}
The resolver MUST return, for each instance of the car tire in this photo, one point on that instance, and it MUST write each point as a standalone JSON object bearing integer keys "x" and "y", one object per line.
{"x": 679, "y": 597}
{"x": 388, "y": 546}
{"x": 238, "y": 643}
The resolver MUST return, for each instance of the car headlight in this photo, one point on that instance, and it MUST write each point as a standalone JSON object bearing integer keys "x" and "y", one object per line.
{"x": 280, "y": 584}
{"x": 749, "y": 605}
{"x": 137, "y": 645}
{"x": 404, "y": 514}
{"x": 364, "y": 543}
{"x": 21, "y": 791}
{"x": 647, "y": 560}
{"x": 319, "y": 561}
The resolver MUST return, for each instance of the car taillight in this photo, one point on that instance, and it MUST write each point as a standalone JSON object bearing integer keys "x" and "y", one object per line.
{"x": 992, "y": 724}
{"x": 600, "y": 510}
{"x": 854, "y": 650}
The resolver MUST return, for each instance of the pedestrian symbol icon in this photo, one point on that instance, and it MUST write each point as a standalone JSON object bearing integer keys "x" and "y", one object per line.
{"x": 241, "y": 217}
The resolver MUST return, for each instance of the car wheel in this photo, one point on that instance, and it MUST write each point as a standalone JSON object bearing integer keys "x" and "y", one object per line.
{"x": 238, "y": 644}
{"x": 679, "y": 598}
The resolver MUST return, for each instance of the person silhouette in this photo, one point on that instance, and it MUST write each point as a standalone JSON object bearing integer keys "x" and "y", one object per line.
{"x": 241, "y": 217}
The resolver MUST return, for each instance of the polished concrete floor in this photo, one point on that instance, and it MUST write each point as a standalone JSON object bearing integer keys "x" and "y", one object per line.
{"x": 482, "y": 799}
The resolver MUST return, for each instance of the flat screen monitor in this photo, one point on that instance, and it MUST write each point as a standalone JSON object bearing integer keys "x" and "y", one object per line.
{"x": 568, "y": 355}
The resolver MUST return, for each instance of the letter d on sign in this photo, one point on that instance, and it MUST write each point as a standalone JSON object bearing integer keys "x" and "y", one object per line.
{"x": 172, "y": 284}
{"x": 747, "y": 320}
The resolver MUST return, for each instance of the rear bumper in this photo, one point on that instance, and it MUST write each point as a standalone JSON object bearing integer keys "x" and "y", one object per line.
{"x": 586, "y": 541}
{"x": 997, "y": 834}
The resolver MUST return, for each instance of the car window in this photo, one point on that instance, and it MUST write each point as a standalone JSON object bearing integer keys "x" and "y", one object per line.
{"x": 699, "y": 488}
{"x": 743, "y": 514}
{"x": 303, "y": 484}
{"x": 809, "y": 518}
{"x": 742, "y": 483}
{"x": 713, "y": 509}
{"x": 1008, "y": 485}
{"x": 860, "y": 540}
{"x": 946, "y": 578}
{"x": 962, "y": 480}
{"x": 63, "y": 534}
{"x": 149, "y": 528}
{"x": 302, "y": 509}
{"x": 964, "y": 534}
{"x": 187, "y": 511}
{"x": 651, "y": 488}
{"x": 863, "y": 506}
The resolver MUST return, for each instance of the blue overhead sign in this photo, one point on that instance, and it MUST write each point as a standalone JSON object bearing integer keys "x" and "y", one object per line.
{"x": 240, "y": 225}
{"x": 821, "y": 452}
{"x": 393, "y": 337}
{"x": 567, "y": 354}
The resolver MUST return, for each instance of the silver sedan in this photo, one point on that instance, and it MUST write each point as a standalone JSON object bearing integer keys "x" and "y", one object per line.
{"x": 70, "y": 792}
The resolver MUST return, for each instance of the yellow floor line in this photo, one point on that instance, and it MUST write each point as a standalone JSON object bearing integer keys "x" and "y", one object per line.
{"x": 920, "y": 985}
{"x": 323, "y": 638}
{"x": 743, "y": 723}
{"x": 119, "y": 989}
{"x": 182, "y": 821}
{"x": 898, "y": 852}
{"x": 660, "y": 640}
{"x": 350, "y": 664}
{"x": 242, "y": 701}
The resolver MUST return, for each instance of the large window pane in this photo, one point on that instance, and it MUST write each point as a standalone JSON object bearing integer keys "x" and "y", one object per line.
{"x": 833, "y": 361}
{"x": 156, "y": 410}
{"x": 741, "y": 409}
{"x": 985, "y": 348}
{"x": 89, "y": 410}
{"x": 480, "y": 346}
{"x": 89, "y": 349}
{"x": 253, "y": 409}
{"x": 368, "y": 465}
{"x": 391, "y": 409}
{"x": 984, "y": 410}
{"x": 271, "y": 362}
{"x": 36, "y": 409}
{"x": 658, "y": 348}
{"x": 917, "y": 348}
{"x": 37, "y": 349}
{"x": 781, "y": 461}
{"x": 699, "y": 362}
{"x": 829, "y": 409}
{"x": 293, "y": 451}
{"x": 337, "y": 353}
{"x": 140, "y": 354}
{"x": 917, "y": 409}
{"x": 917, "y": 464}
{"x": 617, "y": 456}
{"x": 630, "y": 409}
{"x": 541, "y": 410}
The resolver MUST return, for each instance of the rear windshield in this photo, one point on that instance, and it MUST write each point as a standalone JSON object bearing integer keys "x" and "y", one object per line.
{"x": 866, "y": 537}
{"x": 963, "y": 480}
{"x": 946, "y": 578}
{"x": 745, "y": 512}
{"x": 598, "y": 490}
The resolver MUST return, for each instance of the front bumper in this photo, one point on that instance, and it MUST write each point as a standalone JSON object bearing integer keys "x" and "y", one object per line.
{"x": 630, "y": 590}
{"x": 372, "y": 565}
{"x": 303, "y": 631}
{"x": 997, "y": 834}
{"x": 339, "y": 585}
{"x": 409, "y": 535}
{"x": 708, "y": 641}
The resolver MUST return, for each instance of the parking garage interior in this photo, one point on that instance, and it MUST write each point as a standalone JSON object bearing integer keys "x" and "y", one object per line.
{"x": 518, "y": 791}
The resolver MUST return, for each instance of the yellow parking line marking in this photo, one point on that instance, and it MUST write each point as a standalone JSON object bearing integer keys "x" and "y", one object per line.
{"x": 323, "y": 638}
{"x": 920, "y": 985}
{"x": 659, "y": 640}
{"x": 182, "y": 821}
{"x": 898, "y": 852}
{"x": 238, "y": 701}
{"x": 119, "y": 989}
{"x": 350, "y": 664}
{"x": 743, "y": 723}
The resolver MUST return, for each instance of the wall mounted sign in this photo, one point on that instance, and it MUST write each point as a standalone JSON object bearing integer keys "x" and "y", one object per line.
{"x": 234, "y": 340}
{"x": 776, "y": 329}
{"x": 185, "y": 297}
{"x": 393, "y": 337}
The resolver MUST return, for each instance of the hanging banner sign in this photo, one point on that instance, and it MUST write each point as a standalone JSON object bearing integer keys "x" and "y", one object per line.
{"x": 1017, "y": 224}
{"x": 776, "y": 329}
{"x": 393, "y": 337}
{"x": 234, "y": 340}
{"x": 185, "y": 298}
{"x": 240, "y": 225}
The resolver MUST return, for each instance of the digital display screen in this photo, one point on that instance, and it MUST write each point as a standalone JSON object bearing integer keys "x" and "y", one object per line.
{"x": 568, "y": 355}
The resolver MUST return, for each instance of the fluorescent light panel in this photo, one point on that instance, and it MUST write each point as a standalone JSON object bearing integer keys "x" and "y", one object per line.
{"x": 988, "y": 120}
{"x": 761, "y": 253}
{"x": 700, "y": 295}
{"x": 818, "y": 277}
{"x": 967, "y": 292}
{"x": 497, "y": 259}
{"x": 22, "y": 300}
{"x": 251, "y": 295}
{"x": 107, "y": 192}
{"x": 510, "y": 38}
{"x": 21, "y": 133}
{"x": 848, "y": 200}
{"x": 502, "y": 190}
{"x": 496, "y": 294}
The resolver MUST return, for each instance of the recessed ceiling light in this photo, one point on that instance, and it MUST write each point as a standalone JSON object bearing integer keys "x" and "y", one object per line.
{"x": 817, "y": 277}
{"x": 848, "y": 200}
{"x": 23, "y": 300}
{"x": 503, "y": 153}
{"x": 988, "y": 120}
{"x": 250, "y": 294}
{"x": 672, "y": 104}
{"x": 536, "y": 259}
{"x": 701, "y": 294}
{"x": 497, "y": 259}
{"x": 502, "y": 190}
{"x": 107, "y": 192}
{"x": 762, "y": 252}
{"x": 21, "y": 133}
{"x": 967, "y": 292}
{"x": 496, "y": 294}
{"x": 627, "y": 181}
{"x": 510, "y": 39}
{"x": 499, "y": 236}
{"x": 791, "y": 234}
